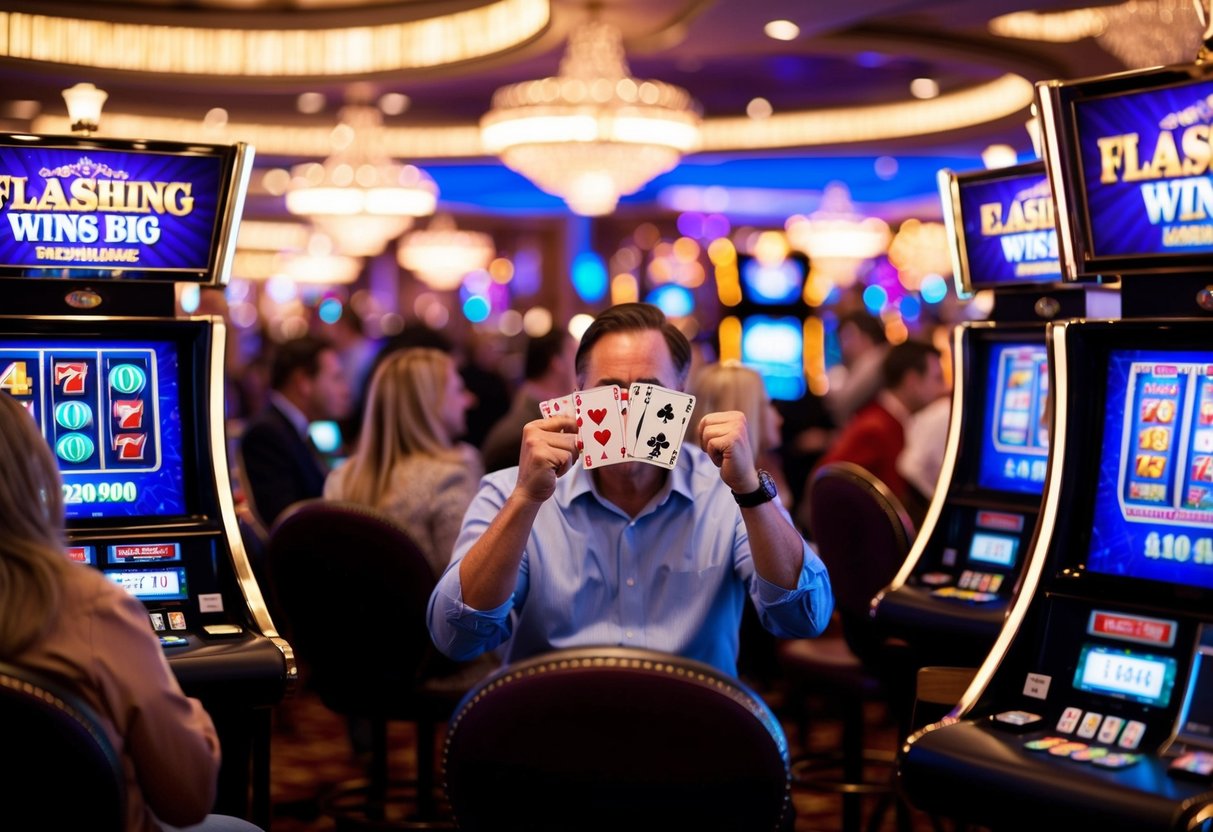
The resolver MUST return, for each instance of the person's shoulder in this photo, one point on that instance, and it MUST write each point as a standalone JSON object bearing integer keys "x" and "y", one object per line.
{"x": 87, "y": 588}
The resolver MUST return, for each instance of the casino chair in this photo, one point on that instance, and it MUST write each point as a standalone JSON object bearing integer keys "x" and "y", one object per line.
{"x": 352, "y": 588}
{"x": 63, "y": 772}
{"x": 863, "y": 534}
{"x": 613, "y": 738}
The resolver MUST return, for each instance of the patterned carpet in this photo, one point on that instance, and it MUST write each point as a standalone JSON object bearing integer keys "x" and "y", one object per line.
{"x": 311, "y": 753}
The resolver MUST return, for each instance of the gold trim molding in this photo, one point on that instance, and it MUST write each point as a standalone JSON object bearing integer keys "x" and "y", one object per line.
{"x": 1002, "y": 97}
{"x": 492, "y": 28}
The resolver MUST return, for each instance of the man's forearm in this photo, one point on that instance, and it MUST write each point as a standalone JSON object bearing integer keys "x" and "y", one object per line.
{"x": 489, "y": 571}
{"x": 775, "y": 545}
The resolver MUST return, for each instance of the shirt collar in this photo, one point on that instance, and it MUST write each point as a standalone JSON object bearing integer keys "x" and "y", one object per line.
{"x": 896, "y": 409}
{"x": 579, "y": 481}
{"x": 293, "y": 414}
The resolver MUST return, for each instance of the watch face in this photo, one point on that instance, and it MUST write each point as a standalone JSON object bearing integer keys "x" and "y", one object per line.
{"x": 767, "y": 483}
{"x": 766, "y": 491}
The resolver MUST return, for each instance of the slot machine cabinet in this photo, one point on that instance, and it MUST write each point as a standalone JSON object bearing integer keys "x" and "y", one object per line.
{"x": 950, "y": 597}
{"x": 1092, "y": 708}
{"x": 1103, "y": 649}
{"x": 129, "y": 398}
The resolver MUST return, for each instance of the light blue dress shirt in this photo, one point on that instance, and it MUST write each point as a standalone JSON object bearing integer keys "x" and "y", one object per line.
{"x": 672, "y": 579}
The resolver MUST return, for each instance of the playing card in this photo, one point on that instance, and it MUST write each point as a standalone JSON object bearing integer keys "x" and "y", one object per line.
{"x": 600, "y": 431}
{"x": 560, "y": 406}
{"x": 657, "y": 423}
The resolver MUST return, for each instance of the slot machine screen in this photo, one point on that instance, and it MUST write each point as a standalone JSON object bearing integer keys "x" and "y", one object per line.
{"x": 1153, "y": 515}
{"x": 774, "y": 346}
{"x": 1015, "y": 431}
{"x": 772, "y": 284}
{"x": 110, "y": 409}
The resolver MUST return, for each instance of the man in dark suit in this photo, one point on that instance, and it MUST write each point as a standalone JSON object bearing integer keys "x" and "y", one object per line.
{"x": 281, "y": 466}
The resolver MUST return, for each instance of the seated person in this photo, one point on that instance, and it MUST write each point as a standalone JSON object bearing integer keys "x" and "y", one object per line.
{"x": 730, "y": 385}
{"x": 875, "y": 438}
{"x": 280, "y": 465}
{"x": 68, "y": 621}
{"x": 628, "y": 554}
{"x": 547, "y": 374}
{"x": 408, "y": 465}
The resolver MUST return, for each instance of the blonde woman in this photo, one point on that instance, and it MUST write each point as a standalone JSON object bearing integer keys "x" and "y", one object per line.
{"x": 730, "y": 385}
{"x": 65, "y": 620}
{"x": 409, "y": 464}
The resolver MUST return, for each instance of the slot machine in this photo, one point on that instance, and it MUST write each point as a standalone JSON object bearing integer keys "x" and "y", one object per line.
{"x": 1094, "y": 707}
{"x": 96, "y": 233}
{"x": 769, "y": 327}
{"x": 949, "y": 599}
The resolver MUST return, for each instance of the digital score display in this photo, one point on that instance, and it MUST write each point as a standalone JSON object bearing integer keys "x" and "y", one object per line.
{"x": 111, "y": 415}
{"x": 1009, "y": 230}
{"x": 1015, "y": 430}
{"x": 993, "y": 549}
{"x": 152, "y": 584}
{"x": 1140, "y": 677}
{"x": 1153, "y": 514}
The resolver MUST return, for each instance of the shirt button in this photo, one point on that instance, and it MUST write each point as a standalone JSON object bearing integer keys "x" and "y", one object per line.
{"x": 631, "y": 582}
{"x": 629, "y": 634}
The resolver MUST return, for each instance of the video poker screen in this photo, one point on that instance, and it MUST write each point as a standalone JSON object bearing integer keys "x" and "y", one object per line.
{"x": 1153, "y": 515}
{"x": 1015, "y": 431}
{"x": 110, "y": 410}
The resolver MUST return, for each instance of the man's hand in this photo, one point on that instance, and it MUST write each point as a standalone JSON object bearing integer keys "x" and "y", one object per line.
{"x": 549, "y": 447}
{"x": 725, "y": 438}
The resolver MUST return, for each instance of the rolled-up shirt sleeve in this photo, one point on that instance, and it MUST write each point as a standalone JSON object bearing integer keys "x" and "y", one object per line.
{"x": 457, "y": 630}
{"x": 802, "y": 612}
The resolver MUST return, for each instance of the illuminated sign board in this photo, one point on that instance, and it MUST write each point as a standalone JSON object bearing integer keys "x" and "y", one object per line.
{"x": 1002, "y": 227}
{"x": 1130, "y": 158}
{"x": 82, "y": 208}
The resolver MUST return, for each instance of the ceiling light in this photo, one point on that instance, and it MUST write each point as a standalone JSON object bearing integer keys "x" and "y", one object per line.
{"x": 442, "y": 255}
{"x": 999, "y": 156}
{"x": 837, "y": 237}
{"x": 84, "y": 102}
{"x": 310, "y": 103}
{"x": 924, "y": 88}
{"x": 393, "y": 103}
{"x": 759, "y": 108}
{"x": 592, "y": 133}
{"x": 359, "y": 195}
{"x": 781, "y": 30}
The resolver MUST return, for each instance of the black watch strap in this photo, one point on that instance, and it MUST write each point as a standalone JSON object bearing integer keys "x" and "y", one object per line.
{"x": 765, "y": 492}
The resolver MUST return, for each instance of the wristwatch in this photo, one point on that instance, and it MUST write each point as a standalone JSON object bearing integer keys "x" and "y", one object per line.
{"x": 763, "y": 493}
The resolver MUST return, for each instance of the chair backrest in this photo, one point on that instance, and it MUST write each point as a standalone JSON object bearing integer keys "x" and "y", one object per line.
{"x": 610, "y": 738}
{"x": 352, "y": 587}
{"x": 862, "y": 533}
{"x": 65, "y": 773}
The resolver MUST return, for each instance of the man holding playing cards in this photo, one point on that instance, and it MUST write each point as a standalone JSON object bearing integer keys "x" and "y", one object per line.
{"x": 612, "y": 532}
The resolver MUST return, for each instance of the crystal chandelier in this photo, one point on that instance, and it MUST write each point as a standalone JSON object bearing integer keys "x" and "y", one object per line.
{"x": 592, "y": 133}
{"x": 359, "y": 196}
{"x": 1141, "y": 33}
{"x": 837, "y": 238}
{"x": 1145, "y": 33}
{"x": 442, "y": 255}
